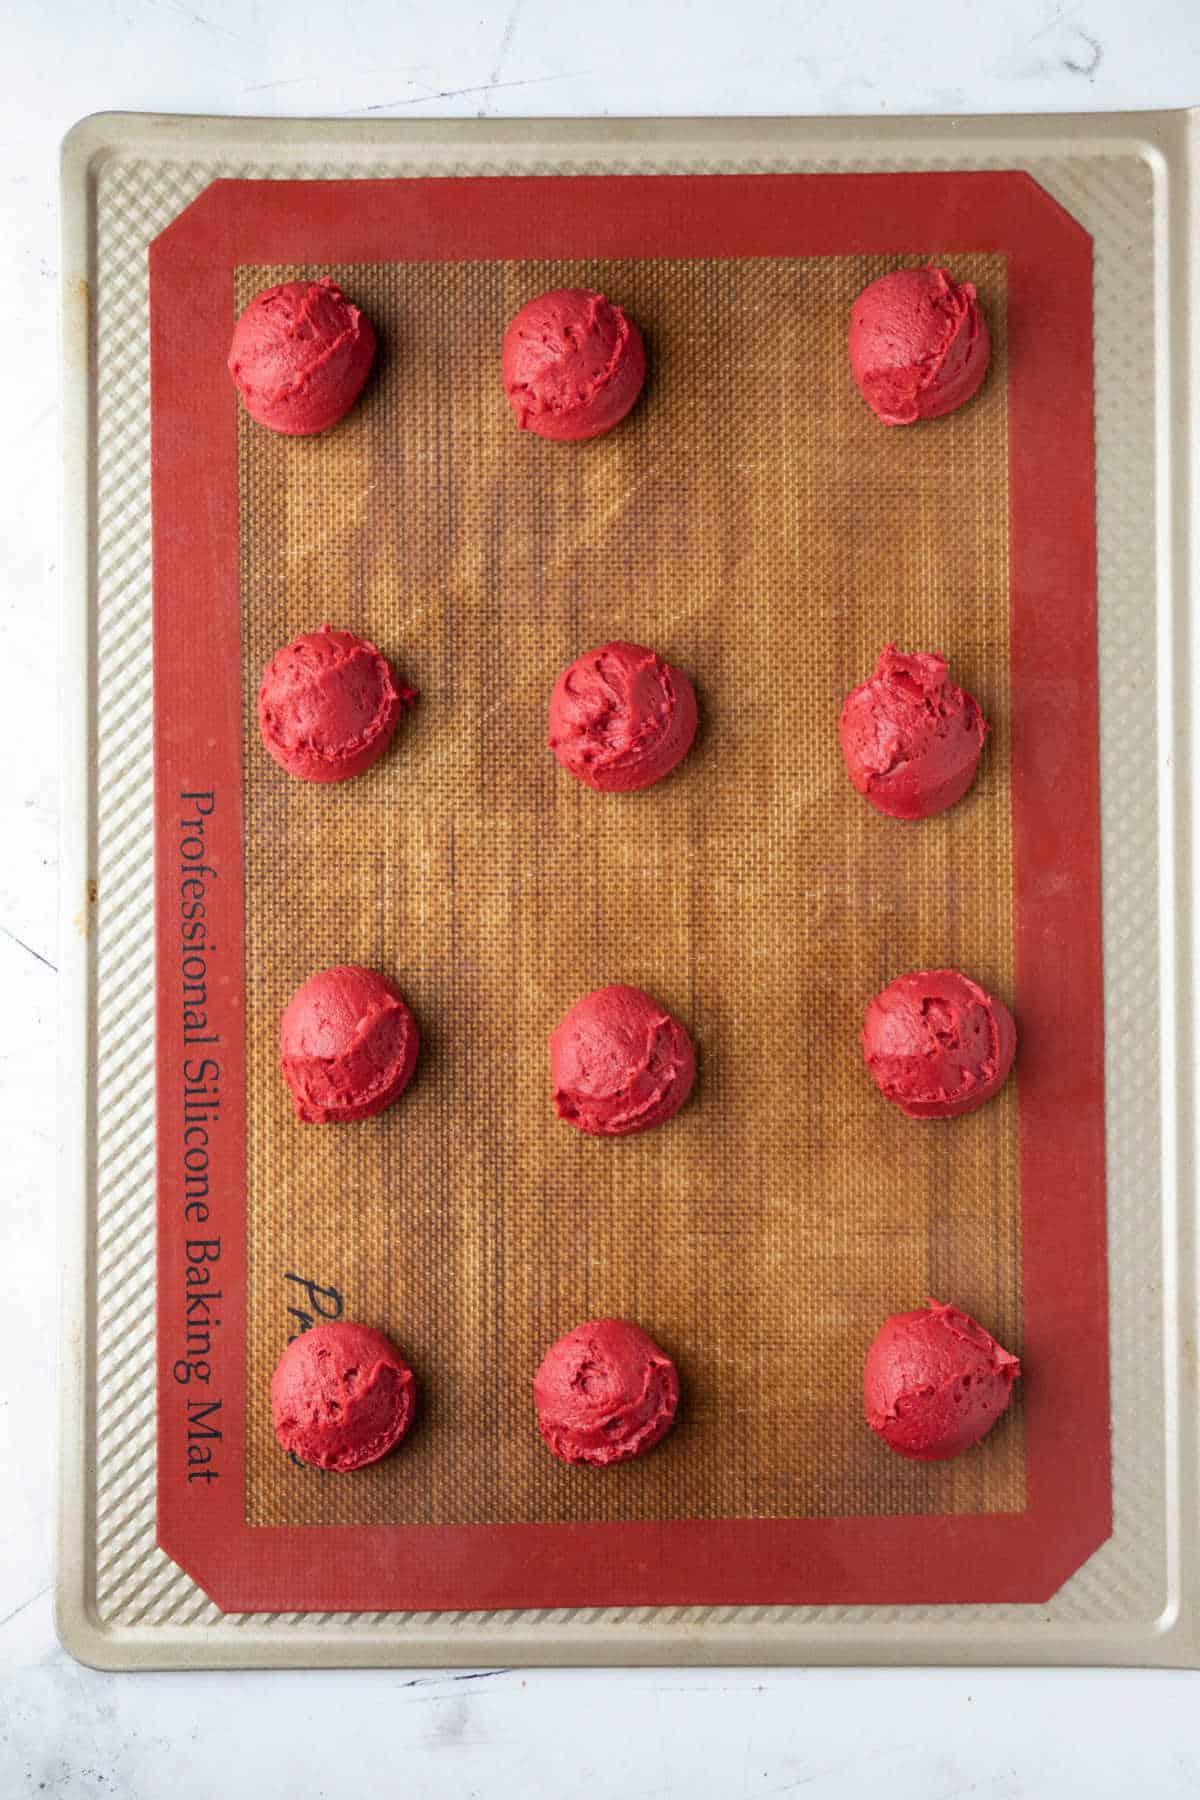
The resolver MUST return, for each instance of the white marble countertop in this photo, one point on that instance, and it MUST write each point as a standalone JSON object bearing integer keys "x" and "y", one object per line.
{"x": 66, "y": 1730}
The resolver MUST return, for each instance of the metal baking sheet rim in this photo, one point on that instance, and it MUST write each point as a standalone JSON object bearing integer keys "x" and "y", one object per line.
{"x": 177, "y": 1627}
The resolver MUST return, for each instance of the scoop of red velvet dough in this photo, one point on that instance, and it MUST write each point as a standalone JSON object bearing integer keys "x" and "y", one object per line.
{"x": 621, "y": 718}
{"x": 911, "y": 739}
{"x": 300, "y": 355}
{"x": 342, "y": 1396}
{"x": 937, "y": 1045}
{"x": 328, "y": 705}
{"x": 919, "y": 344}
{"x": 573, "y": 364}
{"x": 604, "y": 1393}
{"x": 936, "y": 1382}
{"x": 619, "y": 1063}
{"x": 347, "y": 1045}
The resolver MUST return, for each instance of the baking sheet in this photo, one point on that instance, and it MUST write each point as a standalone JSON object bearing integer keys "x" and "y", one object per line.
{"x": 588, "y": 1637}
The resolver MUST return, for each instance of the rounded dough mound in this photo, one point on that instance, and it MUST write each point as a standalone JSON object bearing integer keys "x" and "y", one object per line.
{"x": 604, "y": 1393}
{"x": 919, "y": 344}
{"x": 937, "y": 1045}
{"x": 619, "y": 1063}
{"x": 621, "y": 718}
{"x": 911, "y": 739}
{"x": 935, "y": 1382}
{"x": 573, "y": 365}
{"x": 328, "y": 705}
{"x": 300, "y": 356}
{"x": 347, "y": 1045}
{"x": 342, "y": 1396}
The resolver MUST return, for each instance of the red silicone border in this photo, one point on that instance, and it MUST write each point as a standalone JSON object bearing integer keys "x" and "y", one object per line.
{"x": 1054, "y": 726}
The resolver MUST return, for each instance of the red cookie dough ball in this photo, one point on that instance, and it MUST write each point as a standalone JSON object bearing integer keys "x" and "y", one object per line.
{"x": 937, "y": 1045}
{"x": 936, "y": 1382}
{"x": 919, "y": 344}
{"x": 328, "y": 705}
{"x": 347, "y": 1045}
{"x": 911, "y": 739}
{"x": 604, "y": 1393}
{"x": 573, "y": 364}
{"x": 619, "y": 1063}
{"x": 621, "y": 718}
{"x": 342, "y": 1396}
{"x": 300, "y": 355}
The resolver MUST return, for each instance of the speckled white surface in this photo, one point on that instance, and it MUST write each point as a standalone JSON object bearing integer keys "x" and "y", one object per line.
{"x": 65, "y": 1730}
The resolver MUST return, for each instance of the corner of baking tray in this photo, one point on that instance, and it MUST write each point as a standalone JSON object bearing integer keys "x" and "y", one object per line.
{"x": 88, "y": 142}
{"x": 82, "y": 1635}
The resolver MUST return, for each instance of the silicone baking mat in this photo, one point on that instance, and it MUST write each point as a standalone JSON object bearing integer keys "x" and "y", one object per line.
{"x": 754, "y": 523}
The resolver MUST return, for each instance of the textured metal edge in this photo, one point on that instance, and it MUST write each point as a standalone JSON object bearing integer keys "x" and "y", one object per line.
{"x": 1181, "y": 409}
{"x": 645, "y": 1636}
{"x": 76, "y": 1216}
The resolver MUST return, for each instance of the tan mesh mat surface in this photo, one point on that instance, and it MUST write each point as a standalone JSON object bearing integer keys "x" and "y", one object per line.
{"x": 755, "y": 524}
